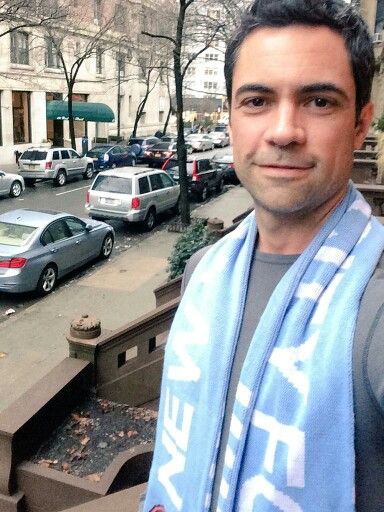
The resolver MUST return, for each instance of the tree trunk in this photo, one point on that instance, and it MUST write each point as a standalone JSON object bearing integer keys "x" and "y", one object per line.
{"x": 70, "y": 118}
{"x": 139, "y": 113}
{"x": 165, "y": 127}
{"x": 181, "y": 149}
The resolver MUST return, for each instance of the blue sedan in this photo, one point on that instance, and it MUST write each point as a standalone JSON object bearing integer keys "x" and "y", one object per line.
{"x": 110, "y": 156}
{"x": 38, "y": 247}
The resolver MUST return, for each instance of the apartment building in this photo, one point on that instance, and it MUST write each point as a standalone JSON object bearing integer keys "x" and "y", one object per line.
{"x": 33, "y": 88}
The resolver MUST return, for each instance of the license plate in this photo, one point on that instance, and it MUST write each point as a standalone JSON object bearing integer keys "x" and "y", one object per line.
{"x": 105, "y": 200}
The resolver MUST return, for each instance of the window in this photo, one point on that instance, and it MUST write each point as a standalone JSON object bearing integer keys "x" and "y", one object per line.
{"x": 64, "y": 154}
{"x": 73, "y": 154}
{"x": 156, "y": 182}
{"x": 51, "y": 57}
{"x": 161, "y": 116}
{"x": 59, "y": 230}
{"x": 76, "y": 226}
{"x": 56, "y": 155}
{"x": 143, "y": 185}
{"x": 120, "y": 17}
{"x": 97, "y": 9}
{"x": 211, "y": 56}
{"x": 120, "y": 65}
{"x": 19, "y": 47}
{"x": 99, "y": 61}
{"x": 167, "y": 182}
{"x": 113, "y": 184}
{"x": 21, "y": 117}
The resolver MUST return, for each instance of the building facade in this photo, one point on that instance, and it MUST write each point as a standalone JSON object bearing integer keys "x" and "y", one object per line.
{"x": 32, "y": 75}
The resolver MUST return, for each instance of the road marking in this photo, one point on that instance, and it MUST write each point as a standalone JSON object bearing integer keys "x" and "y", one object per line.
{"x": 73, "y": 190}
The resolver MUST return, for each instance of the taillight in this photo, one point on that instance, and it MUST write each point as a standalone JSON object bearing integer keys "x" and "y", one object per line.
{"x": 48, "y": 165}
{"x": 195, "y": 174}
{"x": 135, "y": 203}
{"x": 87, "y": 196}
{"x": 13, "y": 263}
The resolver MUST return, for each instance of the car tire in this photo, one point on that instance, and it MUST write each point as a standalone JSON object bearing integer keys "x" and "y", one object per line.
{"x": 204, "y": 193}
{"x": 16, "y": 189}
{"x": 29, "y": 182}
{"x": 88, "y": 172}
{"x": 61, "y": 178}
{"x": 150, "y": 219}
{"x": 47, "y": 280}
{"x": 107, "y": 246}
{"x": 220, "y": 186}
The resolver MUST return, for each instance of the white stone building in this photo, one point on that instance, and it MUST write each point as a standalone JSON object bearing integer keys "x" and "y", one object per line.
{"x": 31, "y": 76}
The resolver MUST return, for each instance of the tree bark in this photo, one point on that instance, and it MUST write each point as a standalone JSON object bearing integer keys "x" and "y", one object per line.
{"x": 70, "y": 117}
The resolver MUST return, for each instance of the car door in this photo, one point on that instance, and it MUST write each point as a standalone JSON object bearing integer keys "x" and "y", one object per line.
{"x": 59, "y": 241}
{"x": 207, "y": 172}
{"x": 67, "y": 162}
{"x": 83, "y": 239}
{"x": 158, "y": 192}
{"x": 77, "y": 163}
{"x": 171, "y": 191}
{"x": 4, "y": 184}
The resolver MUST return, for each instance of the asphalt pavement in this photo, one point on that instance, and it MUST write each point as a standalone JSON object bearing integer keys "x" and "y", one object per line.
{"x": 33, "y": 340}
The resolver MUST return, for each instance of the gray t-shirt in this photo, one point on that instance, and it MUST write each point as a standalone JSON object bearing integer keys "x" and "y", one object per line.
{"x": 368, "y": 371}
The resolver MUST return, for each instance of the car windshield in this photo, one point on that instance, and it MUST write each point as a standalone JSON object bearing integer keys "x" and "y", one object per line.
{"x": 15, "y": 234}
{"x": 136, "y": 141}
{"x": 33, "y": 154}
{"x": 115, "y": 184}
{"x": 98, "y": 150}
{"x": 194, "y": 136}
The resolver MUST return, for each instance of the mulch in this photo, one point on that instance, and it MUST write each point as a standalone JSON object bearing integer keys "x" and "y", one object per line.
{"x": 93, "y": 434}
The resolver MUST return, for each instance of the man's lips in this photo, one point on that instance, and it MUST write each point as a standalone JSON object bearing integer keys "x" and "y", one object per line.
{"x": 286, "y": 166}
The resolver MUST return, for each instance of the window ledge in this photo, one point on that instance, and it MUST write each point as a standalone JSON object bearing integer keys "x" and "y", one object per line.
{"x": 15, "y": 65}
{"x": 58, "y": 71}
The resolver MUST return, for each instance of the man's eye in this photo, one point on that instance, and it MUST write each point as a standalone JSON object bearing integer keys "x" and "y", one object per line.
{"x": 321, "y": 102}
{"x": 255, "y": 102}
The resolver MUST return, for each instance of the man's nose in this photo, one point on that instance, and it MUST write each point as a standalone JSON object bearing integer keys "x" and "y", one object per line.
{"x": 285, "y": 126}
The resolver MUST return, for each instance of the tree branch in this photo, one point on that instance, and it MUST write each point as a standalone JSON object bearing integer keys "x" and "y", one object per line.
{"x": 158, "y": 36}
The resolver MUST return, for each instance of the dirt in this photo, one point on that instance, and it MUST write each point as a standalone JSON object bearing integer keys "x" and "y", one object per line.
{"x": 93, "y": 434}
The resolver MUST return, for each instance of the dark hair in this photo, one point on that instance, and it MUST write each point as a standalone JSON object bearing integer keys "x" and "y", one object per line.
{"x": 335, "y": 14}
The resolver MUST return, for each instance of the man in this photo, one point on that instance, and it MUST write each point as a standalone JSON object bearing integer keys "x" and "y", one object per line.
{"x": 272, "y": 388}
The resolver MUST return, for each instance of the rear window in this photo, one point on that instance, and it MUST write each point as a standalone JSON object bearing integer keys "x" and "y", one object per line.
{"x": 160, "y": 145}
{"x": 15, "y": 234}
{"x": 113, "y": 184}
{"x": 33, "y": 155}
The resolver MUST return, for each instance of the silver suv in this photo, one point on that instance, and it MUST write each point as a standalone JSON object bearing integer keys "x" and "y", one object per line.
{"x": 57, "y": 164}
{"x": 132, "y": 194}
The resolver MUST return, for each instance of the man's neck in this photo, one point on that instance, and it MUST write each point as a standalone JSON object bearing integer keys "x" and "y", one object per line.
{"x": 289, "y": 233}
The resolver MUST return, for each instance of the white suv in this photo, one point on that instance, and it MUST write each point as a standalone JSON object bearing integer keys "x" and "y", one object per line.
{"x": 132, "y": 194}
{"x": 57, "y": 164}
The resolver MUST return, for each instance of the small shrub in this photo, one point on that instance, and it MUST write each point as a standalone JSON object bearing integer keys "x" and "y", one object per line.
{"x": 191, "y": 240}
{"x": 379, "y": 124}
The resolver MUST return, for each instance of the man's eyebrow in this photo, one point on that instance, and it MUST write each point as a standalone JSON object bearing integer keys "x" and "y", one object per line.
{"x": 246, "y": 88}
{"x": 323, "y": 87}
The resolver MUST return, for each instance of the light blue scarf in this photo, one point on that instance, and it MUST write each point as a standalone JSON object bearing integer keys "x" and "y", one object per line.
{"x": 291, "y": 441}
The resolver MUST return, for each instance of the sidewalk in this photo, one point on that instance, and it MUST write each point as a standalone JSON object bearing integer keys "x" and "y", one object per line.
{"x": 117, "y": 292}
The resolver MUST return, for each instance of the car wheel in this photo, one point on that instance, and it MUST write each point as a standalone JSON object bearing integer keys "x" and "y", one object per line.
{"x": 16, "y": 189}
{"x": 113, "y": 166}
{"x": 61, "y": 178}
{"x": 204, "y": 193}
{"x": 220, "y": 186}
{"x": 88, "y": 172}
{"x": 47, "y": 280}
{"x": 107, "y": 246}
{"x": 150, "y": 220}
{"x": 29, "y": 182}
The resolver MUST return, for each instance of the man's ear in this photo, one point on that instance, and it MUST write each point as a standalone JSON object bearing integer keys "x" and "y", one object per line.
{"x": 363, "y": 125}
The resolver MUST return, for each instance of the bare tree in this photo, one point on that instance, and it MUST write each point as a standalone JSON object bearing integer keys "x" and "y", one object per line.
{"x": 81, "y": 41}
{"x": 19, "y": 14}
{"x": 194, "y": 32}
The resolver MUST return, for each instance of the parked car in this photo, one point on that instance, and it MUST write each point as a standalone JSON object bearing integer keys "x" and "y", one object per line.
{"x": 220, "y": 139}
{"x": 203, "y": 177}
{"x": 200, "y": 141}
{"x": 57, "y": 164}
{"x": 11, "y": 184}
{"x": 144, "y": 143}
{"x": 225, "y": 163}
{"x": 111, "y": 156}
{"x": 159, "y": 153}
{"x": 38, "y": 247}
{"x": 132, "y": 194}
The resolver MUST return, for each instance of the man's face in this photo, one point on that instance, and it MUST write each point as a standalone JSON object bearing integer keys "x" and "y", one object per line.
{"x": 292, "y": 119}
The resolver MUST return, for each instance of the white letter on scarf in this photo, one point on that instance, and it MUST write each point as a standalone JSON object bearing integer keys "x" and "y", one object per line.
{"x": 175, "y": 441}
{"x": 293, "y": 438}
{"x": 259, "y": 486}
{"x": 286, "y": 359}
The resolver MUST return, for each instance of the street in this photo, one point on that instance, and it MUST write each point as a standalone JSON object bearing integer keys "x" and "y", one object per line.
{"x": 71, "y": 198}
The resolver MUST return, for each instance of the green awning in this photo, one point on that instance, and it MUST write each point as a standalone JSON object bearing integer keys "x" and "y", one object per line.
{"x": 82, "y": 111}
